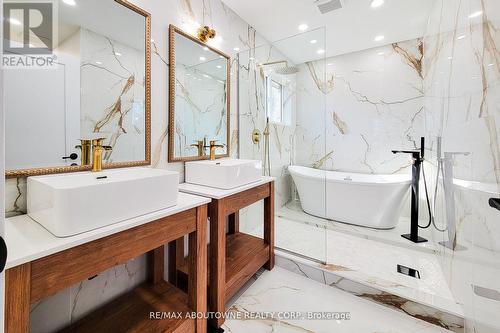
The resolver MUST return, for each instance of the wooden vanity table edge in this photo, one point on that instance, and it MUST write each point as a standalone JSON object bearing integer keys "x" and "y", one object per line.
{"x": 234, "y": 257}
{"x": 34, "y": 280}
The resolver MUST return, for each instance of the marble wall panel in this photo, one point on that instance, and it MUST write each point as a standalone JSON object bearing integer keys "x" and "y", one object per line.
{"x": 462, "y": 108}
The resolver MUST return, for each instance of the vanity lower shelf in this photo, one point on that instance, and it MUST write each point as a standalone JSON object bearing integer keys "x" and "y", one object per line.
{"x": 131, "y": 312}
{"x": 245, "y": 254}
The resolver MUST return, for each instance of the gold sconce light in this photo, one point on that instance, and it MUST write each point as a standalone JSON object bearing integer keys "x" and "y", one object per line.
{"x": 205, "y": 33}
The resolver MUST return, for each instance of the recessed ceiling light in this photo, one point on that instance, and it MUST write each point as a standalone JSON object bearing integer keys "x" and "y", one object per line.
{"x": 207, "y": 76}
{"x": 314, "y": 41}
{"x": 377, "y": 3}
{"x": 379, "y": 38}
{"x": 461, "y": 37}
{"x": 218, "y": 66}
{"x": 330, "y": 64}
{"x": 303, "y": 27}
{"x": 14, "y": 21}
{"x": 221, "y": 57}
{"x": 203, "y": 58}
{"x": 320, "y": 51}
{"x": 98, "y": 62}
{"x": 118, "y": 54}
{"x": 381, "y": 53}
{"x": 491, "y": 65}
{"x": 236, "y": 49}
{"x": 449, "y": 58}
{"x": 188, "y": 74}
{"x": 476, "y": 14}
{"x": 205, "y": 48}
{"x": 70, "y": 2}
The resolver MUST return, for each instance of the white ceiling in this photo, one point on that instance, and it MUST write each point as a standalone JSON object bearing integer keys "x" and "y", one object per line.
{"x": 349, "y": 29}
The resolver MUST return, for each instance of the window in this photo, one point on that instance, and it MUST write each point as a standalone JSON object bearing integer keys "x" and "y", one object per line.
{"x": 274, "y": 101}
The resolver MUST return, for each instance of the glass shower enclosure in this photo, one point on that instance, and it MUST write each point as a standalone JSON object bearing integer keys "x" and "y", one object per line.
{"x": 273, "y": 81}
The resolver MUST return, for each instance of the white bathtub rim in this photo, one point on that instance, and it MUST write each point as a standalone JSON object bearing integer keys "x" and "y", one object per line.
{"x": 327, "y": 176}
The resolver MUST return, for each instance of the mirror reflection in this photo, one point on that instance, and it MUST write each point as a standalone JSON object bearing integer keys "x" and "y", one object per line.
{"x": 96, "y": 90}
{"x": 199, "y": 112}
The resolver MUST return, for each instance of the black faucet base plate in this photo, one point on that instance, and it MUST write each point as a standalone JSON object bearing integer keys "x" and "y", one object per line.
{"x": 418, "y": 239}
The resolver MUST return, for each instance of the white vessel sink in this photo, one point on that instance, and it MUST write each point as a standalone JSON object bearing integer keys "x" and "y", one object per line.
{"x": 69, "y": 204}
{"x": 225, "y": 173}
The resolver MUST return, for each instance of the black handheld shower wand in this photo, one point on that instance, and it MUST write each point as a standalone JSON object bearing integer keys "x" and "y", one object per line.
{"x": 418, "y": 158}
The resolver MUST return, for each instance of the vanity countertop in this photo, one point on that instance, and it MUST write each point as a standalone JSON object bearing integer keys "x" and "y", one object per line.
{"x": 217, "y": 193}
{"x": 27, "y": 240}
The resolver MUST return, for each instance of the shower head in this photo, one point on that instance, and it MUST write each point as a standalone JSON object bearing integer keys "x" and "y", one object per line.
{"x": 287, "y": 70}
{"x": 283, "y": 70}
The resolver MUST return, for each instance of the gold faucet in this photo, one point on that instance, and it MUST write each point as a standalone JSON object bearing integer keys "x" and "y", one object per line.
{"x": 214, "y": 146}
{"x": 97, "y": 151}
{"x": 200, "y": 144}
{"x": 86, "y": 148}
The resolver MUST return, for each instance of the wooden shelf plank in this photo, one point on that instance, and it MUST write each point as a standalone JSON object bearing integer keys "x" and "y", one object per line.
{"x": 131, "y": 312}
{"x": 245, "y": 254}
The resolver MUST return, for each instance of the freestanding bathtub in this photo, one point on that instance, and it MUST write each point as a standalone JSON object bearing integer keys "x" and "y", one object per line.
{"x": 373, "y": 201}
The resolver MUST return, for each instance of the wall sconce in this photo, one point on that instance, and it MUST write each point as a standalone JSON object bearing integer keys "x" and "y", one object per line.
{"x": 205, "y": 33}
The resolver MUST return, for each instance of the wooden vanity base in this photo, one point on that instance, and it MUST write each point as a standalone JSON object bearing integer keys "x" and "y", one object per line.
{"x": 234, "y": 257}
{"x": 137, "y": 311}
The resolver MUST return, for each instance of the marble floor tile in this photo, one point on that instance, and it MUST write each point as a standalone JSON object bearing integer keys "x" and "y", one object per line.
{"x": 278, "y": 294}
{"x": 369, "y": 262}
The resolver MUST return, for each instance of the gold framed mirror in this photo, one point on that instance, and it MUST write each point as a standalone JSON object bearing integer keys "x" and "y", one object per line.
{"x": 199, "y": 98}
{"x": 99, "y": 88}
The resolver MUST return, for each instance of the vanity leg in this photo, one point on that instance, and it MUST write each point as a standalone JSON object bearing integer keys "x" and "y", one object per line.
{"x": 234, "y": 223}
{"x": 269, "y": 225}
{"x": 197, "y": 280}
{"x": 175, "y": 257}
{"x": 156, "y": 263}
{"x": 218, "y": 260}
{"x": 17, "y": 299}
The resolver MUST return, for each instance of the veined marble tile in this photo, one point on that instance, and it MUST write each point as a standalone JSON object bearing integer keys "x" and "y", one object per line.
{"x": 462, "y": 106}
{"x": 371, "y": 102}
{"x": 369, "y": 262}
{"x": 427, "y": 313}
{"x": 15, "y": 197}
{"x": 279, "y": 292}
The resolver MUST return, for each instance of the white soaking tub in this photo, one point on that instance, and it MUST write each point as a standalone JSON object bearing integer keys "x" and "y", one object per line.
{"x": 373, "y": 201}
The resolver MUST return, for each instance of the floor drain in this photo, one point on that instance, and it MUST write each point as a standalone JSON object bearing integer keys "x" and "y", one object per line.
{"x": 414, "y": 273}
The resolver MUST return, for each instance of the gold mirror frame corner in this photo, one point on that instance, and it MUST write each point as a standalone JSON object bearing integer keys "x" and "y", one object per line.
{"x": 172, "y": 30}
{"x": 21, "y": 173}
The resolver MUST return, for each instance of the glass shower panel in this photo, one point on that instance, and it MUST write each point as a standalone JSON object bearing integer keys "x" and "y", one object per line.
{"x": 282, "y": 124}
{"x": 462, "y": 94}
